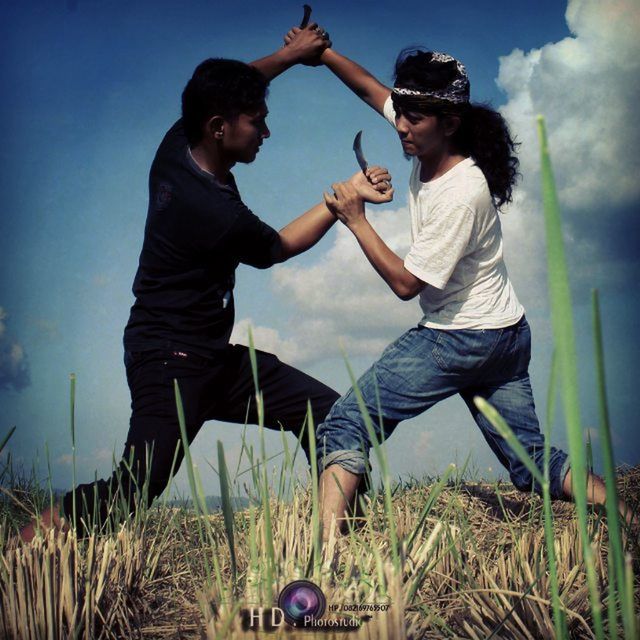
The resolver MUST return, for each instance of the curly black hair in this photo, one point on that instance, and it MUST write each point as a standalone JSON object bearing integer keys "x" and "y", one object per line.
{"x": 483, "y": 133}
{"x": 223, "y": 87}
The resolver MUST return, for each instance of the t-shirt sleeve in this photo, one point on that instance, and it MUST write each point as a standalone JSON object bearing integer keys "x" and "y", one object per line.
{"x": 440, "y": 244}
{"x": 389, "y": 112}
{"x": 255, "y": 242}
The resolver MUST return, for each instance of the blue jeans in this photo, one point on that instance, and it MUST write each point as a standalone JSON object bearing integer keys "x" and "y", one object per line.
{"x": 425, "y": 366}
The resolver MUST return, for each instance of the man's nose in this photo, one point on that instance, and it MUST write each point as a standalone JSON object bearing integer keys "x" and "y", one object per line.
{"x": 401, "y": 125}
{"x": 265, "y": 132}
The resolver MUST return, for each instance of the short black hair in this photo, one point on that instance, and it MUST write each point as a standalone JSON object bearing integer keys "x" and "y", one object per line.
{"x": 220, "y": 86}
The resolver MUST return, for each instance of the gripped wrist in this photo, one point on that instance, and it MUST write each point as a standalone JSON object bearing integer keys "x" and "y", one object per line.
{"x": 357, "y": 225}
{"x": 327, "y": 55}
{"x": 287, "y": 56}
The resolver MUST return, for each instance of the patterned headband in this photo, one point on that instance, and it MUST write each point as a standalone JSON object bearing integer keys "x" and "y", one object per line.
{"x": 455, "y": 93}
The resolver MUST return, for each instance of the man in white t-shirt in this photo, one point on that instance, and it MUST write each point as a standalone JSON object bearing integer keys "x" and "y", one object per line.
{"x": 473, "y": 338}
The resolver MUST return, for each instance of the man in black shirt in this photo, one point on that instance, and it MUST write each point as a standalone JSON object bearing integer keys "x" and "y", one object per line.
{"x": 197, "y": 232}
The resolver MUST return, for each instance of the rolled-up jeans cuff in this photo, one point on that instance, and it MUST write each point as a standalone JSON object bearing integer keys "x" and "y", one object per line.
{"x": 557, "y": 490}
{"x": 349, "y": 459}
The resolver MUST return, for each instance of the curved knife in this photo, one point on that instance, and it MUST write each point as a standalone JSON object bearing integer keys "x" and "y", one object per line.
{"x": 357, "y": 148}
{"x": 307, "y": 15}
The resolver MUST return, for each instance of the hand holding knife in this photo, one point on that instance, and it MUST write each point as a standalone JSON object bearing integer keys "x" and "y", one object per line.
{"x": 362, "y": 161}
{"x": 305, "y": 22}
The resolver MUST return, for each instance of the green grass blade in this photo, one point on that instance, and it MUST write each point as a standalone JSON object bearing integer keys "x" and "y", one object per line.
{"x": 430, "y": 501}
{"x": 190, "y": 471}
{"x": 7, "y": 438}
{"x": 315, "y": 507}
{"x": 254, "y": 361}
{"x": 227, "y": 508}
{"x": 564, "y": 339}
{"x": 559, "y": 618}
{"x": 492, "y": 415}
{"x": 616, "y": 554}
{"x": 263, "y": 480}
{"x": 72, "y": 414}
{"x": 630, "y": 613}
{"x": 49, "y": 474}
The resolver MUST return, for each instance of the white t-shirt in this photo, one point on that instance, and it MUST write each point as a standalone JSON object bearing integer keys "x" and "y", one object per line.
{"x": 457, "y": 249}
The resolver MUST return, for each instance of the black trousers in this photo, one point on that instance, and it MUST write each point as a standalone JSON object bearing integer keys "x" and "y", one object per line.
{"x": 220, "y": 388}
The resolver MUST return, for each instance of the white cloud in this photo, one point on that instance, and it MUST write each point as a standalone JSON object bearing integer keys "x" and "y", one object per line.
{"x": 266, "y": 339}
{"x": 48, "y": 330}
{"x": 587, "y": 88}
{"x": 14, "y": 367}
{"x": 88, "y": 462}
{"x": 342, "y": 301}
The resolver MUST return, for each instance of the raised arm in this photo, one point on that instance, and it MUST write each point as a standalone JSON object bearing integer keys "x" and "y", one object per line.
{"x": 357, "y": 78}
{"x": 307, "y": 49}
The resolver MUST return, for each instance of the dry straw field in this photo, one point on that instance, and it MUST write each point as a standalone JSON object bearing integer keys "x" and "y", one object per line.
{"x": 472, "y": 564}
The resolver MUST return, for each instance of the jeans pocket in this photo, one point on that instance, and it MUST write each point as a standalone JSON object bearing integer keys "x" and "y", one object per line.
{"x": 143, "y": 366}
{"x": 464, "y": 350}
{"x": 523, "y": 348}
{"x": 180, "y": 365}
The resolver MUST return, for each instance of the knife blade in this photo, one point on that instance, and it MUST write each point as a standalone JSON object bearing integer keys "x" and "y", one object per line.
{"x": 357, "y": 148}
{"x": 307, "y": 15}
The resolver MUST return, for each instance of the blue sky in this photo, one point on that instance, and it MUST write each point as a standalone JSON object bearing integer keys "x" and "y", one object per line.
{"x": 89, "y": 88}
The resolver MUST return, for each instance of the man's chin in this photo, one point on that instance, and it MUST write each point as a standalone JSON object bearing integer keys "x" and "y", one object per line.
{"x": 248, "y": 159}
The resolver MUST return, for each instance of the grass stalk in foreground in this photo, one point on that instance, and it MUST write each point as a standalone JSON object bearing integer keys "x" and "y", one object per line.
{"x": 264, "y": 479}
{"x": 629, "y": 613}
{"x": 559, "y": 618}
{"x": 492, "y": 415}
{"x": 617, "y": 585}
{"x": 564, "y": 340}
{"x": 199, "y": 507}
{"x": 72, "y": 408}
{"x": 7, "y": 438}
{"x": 227, "y": 509}
{"x": 316, "y": 530}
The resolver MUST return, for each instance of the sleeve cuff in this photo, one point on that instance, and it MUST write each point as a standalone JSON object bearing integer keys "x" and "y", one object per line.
{"x": 389, "y": 112}
{"x": 426, "y": 276}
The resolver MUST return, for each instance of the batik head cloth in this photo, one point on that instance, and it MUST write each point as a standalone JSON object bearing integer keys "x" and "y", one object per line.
{"x": 456, "y": 92}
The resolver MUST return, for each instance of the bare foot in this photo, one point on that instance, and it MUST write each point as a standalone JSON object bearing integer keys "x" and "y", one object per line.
{"x": 629, "y": 516}
{"x": 47, "y": 520}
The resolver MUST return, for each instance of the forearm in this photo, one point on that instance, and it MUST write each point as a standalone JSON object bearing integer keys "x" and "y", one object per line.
{"x": 388, "y": 265}
{"x": 357, "y": 78}
{"x": 305, "y": 231}
{"x": 274, "y": 64}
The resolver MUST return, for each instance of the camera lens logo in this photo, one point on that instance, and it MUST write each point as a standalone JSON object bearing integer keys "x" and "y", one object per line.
{"x": 302, "y": 601}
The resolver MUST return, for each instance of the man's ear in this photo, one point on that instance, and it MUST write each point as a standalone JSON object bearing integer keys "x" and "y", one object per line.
{"x": 451, "y": 124}
{"x": 214, "y": 128}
